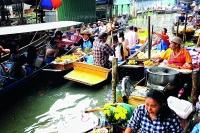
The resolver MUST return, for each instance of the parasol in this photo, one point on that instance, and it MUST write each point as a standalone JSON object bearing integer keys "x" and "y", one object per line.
{"x": 50, "y": 4}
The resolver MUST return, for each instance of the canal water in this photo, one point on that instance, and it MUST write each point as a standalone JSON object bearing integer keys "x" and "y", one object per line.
{"x": 43, "y": 107}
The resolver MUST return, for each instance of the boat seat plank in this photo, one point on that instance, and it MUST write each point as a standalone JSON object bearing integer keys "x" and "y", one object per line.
{"x": 87, "y": 74}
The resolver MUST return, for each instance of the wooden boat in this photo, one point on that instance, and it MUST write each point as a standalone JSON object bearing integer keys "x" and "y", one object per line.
{"x": 160, "y": 11}
{"x": 168, "y": 11}
{"x": 8, "y": 83}
{"x": 92, "y": 75}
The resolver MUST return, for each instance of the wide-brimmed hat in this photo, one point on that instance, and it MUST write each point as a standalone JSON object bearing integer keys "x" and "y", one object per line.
{"x": 86, "y": 32}
{"x": 177, "y": 40}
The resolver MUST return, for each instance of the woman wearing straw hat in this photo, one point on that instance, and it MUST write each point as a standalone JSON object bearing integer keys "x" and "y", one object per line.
{"x": 177, "y": 55}
{"x": 85, "y": 42}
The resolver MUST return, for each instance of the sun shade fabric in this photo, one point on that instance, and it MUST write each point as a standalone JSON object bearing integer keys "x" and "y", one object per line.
{"x": 36, "y": 27}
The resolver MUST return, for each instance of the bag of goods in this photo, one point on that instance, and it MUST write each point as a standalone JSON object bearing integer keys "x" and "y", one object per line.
{"x": 142, "y": 55}
{"x": 197, "y": 32}
{"x": 156, "y": 55}
{"x": 188, "y": 28}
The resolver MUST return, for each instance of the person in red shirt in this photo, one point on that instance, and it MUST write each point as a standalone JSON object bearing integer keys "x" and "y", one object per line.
{"x": 177, "y": 55}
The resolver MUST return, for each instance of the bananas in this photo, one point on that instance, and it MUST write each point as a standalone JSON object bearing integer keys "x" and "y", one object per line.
{"x": 132, "y": 62}
{"x": 148, "y": 63}
{"x": 65, "y": 58}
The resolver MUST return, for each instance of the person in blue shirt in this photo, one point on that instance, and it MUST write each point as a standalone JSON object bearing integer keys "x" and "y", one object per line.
{"x": 162, "y": 40}
{"x": 182, "y": 17}
{"x": 154, "y": 116}
{"x": 86, "y": 41}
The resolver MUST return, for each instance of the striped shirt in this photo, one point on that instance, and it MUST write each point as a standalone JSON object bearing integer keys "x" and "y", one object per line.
{"x": 141, "y": 120}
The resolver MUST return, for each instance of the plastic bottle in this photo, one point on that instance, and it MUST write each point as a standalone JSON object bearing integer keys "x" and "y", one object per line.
{"x": 181, "y": 91}
{"x": 102, "y": 120}
{"x": 119, "y": 98}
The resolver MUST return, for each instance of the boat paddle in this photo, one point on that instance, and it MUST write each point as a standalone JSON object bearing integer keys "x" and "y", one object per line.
{"x": 94, "y": 110}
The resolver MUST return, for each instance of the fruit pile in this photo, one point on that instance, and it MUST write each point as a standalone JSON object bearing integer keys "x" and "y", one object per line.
{"x": 67, "y": 58}
{"x": 132, "y": 62}
{"x": 148, "y": 63}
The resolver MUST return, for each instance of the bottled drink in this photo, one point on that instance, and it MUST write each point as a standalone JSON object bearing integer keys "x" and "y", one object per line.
{"x": 181, "y": 91}
{"x": 119, "y": 93}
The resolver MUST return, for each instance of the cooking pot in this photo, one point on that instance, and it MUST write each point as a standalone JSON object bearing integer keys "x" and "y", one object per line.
{"x": 162, "y": 76}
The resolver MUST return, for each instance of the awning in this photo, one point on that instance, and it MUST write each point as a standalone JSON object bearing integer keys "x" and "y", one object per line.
{"x": 36, "y": 27}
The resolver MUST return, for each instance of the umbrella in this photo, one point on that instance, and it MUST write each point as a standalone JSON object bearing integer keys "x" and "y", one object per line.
{"x": 50, "y": 4}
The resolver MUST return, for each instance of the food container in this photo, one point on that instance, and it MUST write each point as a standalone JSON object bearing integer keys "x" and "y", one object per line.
{"x": 162, "y": 76}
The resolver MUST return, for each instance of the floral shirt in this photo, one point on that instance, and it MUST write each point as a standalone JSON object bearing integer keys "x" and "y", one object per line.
{"x": 141, "y": 120}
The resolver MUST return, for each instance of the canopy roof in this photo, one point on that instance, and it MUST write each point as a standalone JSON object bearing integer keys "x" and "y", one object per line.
{"x": 10, "y": 2}
{"x": 36, "y": 27}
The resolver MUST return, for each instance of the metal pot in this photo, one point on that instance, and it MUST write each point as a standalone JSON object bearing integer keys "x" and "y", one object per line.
{"x": 162, "y": 76}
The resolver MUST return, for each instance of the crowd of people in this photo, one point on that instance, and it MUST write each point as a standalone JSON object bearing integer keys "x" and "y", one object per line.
{"x": 95, "y": 37}
{"x": 192, "y": 20}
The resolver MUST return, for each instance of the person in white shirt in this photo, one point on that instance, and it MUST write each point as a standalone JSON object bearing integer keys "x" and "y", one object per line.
{"x": 102, "y": 28}
{"x": 132, "y": 37}
{"x": 123, "y": 20}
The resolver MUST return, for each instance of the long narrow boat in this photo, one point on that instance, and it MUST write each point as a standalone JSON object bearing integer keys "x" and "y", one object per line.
{"x": 7, "y": 83}
{"x": 92, "y": 75}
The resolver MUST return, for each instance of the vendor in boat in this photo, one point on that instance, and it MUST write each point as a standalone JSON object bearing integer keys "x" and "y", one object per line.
{"x": 162, "y": 40}
{"x": 32, "y": 60}
{"x": 17, "y": 70}
{"x": 182, "y": 17}
{"x": 14, "y": 52}
{"x": 176, "y": 55}
{"x": 154, "y": 116}
{"x": 86, "y": 42}
{"x": 52, "y": 46}
{"x": 102, "y": 51}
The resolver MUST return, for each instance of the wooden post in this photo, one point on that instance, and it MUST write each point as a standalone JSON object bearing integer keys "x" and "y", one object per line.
{"x": 195, "y": 85}
{"x": 198, "y": 41}
{"x": 116, "y": 10}
{"x": 36, "y": 12}
{"x": 114, "y": 78}
{"x": 177, "y": 28}
{"x": 184, "y": 33}
{"x": 149, "y": 38}
{"x": 122, "y": 10}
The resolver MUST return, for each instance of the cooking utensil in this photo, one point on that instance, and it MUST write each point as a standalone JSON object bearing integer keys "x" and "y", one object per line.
{"x": 161, "y": 75}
